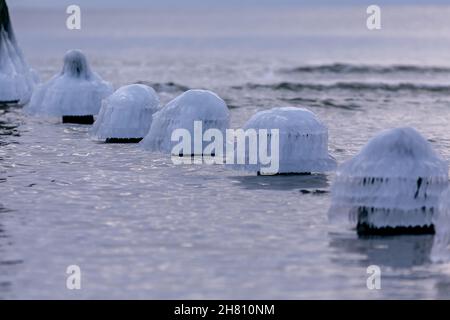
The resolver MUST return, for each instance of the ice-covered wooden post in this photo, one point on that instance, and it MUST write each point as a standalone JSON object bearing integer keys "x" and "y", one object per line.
{"x": 303, "y": 141}
{"x": 17, "y": 80}
{"x": 193, "y": 106}
{"x": 126, "y": 116}
{"x": 75, "y": 94}
{"x": 392, "y": 186}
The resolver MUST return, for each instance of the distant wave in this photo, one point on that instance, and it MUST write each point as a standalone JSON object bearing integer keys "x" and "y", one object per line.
{"x": 367, "y": 69}
{"x": 165, "y": 87}
{"x": 293, "y": 86}
{"x": 326, "y": 103}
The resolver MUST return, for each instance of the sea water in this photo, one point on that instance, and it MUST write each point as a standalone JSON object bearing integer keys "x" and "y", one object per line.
{"x": 139, "y": 226}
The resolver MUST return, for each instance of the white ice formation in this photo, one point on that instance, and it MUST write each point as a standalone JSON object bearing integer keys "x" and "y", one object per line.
{"x": 394, "y": 182}
{"x": 75, "y": 91}
{"x": 127, "y": 113}
{"x": 17, "y": 80}
{"x": 181, "y": 113}
{"x": 303, "y": 141}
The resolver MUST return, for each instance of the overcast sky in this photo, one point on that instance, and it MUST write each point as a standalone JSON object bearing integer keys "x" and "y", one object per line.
{"x": 187, "y": 3}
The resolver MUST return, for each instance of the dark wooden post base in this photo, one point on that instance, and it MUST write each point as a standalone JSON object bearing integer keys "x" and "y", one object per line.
{"x": 78, "y": 119}
{"x": 123, "y": 140}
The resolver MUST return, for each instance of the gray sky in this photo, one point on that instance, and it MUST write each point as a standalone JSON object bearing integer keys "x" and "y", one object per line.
{"x": 216, "y": 3}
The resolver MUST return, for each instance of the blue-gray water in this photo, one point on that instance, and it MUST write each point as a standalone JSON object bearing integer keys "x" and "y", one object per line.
{"x": 140, "y": 227}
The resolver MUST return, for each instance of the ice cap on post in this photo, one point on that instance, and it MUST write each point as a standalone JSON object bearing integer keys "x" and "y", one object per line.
{"x": 75, "y": 94}
{"x": 126, "y": 116}
{"x": 303, "y": 141}
{"x": 392, "y": 186}
{"x": 181, "y": 113}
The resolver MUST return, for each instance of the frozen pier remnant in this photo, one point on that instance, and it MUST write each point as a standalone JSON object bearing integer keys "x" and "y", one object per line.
{"x": 75, "y": 94}
{"x": 126, "y": 116}
{"x": 392, "y": 186}
{"x": 181, "y": 113}
{"x": 303, "y": 141}
{"x": 17, "y": 80}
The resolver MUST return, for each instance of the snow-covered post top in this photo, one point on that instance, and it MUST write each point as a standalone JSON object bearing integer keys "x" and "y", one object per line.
{"x": 75, "y": 91}
{"x": 290, "y": 121}
{"x": 303, "y": 140}
{"x": 394, "y": 182}
{"x": 181, "y": 113}
{"x": 127, "y": 113}
{"x": 134, "y": 96}
{"x": 76, "y": 65}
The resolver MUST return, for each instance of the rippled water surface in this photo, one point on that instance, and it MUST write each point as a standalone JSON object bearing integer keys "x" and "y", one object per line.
{"x": 141, "y": 227}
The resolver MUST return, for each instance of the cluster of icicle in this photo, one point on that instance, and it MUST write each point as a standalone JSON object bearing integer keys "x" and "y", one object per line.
{"x": 303, "y": 140}
{"x": 75, "y": 91}
{"x": 395, "y": 181}
{"x": 17, "y": 79}
{"x": 181, "y": 113}
{"x": 127, "y": 113}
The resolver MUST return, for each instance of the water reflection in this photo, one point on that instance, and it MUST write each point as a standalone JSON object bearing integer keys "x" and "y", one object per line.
{"x": 316, "y": 183}
{"x": 442, "y": 287}
{"x": 398, "y": 252}
{"x": 5, "y": 265}
{"x": 7, "y": 126}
